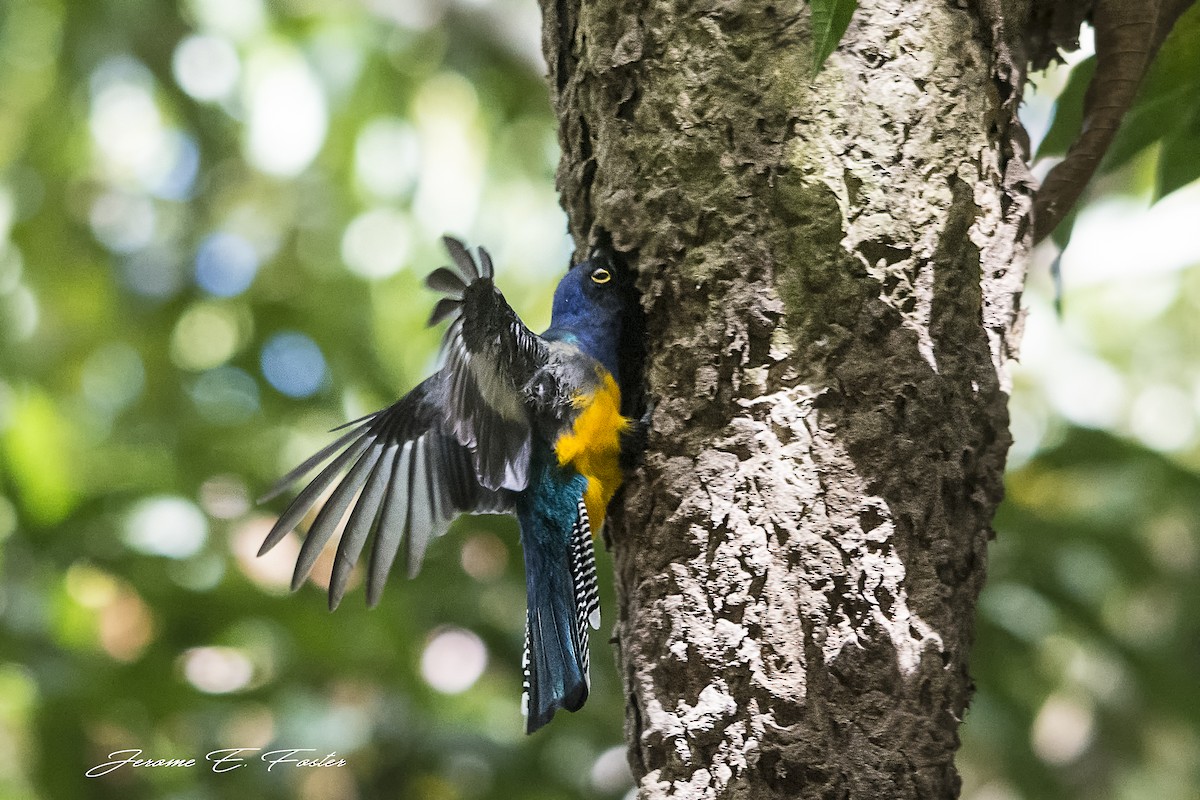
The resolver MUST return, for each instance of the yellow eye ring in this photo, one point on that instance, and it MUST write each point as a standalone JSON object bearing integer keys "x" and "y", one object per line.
{"x": 601, "y": 275}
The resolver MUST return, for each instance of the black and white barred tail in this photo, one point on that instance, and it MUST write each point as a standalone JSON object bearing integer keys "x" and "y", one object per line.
{"x": 557, "y": 661}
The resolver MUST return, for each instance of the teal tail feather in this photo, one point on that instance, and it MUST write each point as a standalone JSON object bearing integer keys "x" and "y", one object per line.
{"x": 560, "y": 580}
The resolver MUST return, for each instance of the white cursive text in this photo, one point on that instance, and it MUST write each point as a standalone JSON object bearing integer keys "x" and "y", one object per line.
{"x": 225, "y": 760}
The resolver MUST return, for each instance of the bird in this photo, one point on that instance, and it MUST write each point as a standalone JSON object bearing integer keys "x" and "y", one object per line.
{"x": 511, "y": 422}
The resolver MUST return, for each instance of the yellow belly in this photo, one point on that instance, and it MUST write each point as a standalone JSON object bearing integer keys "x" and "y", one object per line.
{"x": 593, "y": 446}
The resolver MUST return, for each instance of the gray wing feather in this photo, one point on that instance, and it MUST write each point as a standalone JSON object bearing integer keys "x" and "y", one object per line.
{"x": 317, "y": 458}
{"x": 459, "y": 442}
{"x": 445, "y": 308}
{"x": 446, "y": 281}
{"x": 331, "y": 514}
{"x": 462, "y": 258}
{"x": 366, "y": 512}
{"x": 488, "y": 357}
{"x": 407, "y": 479}
{"x": 393, "y": 524}
{"x": 299, "y": 506}
{"x": 422, "y": 512}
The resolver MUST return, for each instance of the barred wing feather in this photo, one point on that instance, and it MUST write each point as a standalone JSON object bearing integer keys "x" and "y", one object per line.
{"x": 405, "y": 479}
{"x": 459, "y": 442}
{"x": 488, "y": 357}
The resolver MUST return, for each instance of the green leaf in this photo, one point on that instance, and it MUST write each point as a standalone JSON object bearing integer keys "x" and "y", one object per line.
{"x": 830, "y": 18}
{"x": 1175, "y": 64}
{"x": 1179, "y": 159}
{"x": 1068, "y": 111}
{"x": 37, "y": 447}
{"x": 1167, "y": 98}
{"x": 1146, "y": 123}
{"x": 1061, "y": 235}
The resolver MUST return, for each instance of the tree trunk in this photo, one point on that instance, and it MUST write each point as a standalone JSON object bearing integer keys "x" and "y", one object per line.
{"x": 830, "y": 267}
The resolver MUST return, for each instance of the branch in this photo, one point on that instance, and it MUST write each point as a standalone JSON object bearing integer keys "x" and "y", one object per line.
{"x": 1128, "y": 34}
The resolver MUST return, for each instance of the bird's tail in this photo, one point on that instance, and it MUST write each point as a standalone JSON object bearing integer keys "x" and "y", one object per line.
{"x": 562, "y": 602}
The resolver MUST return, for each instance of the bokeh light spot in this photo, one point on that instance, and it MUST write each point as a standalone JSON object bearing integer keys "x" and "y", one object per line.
{"x": 123, "y": 222}
{"x": 1019, "y": 610}
{"x": 8, "y": 212}
{"x": 484, "y": 556}
{"x": 453, "y": 154}
{"x": 113, "y": 376}
{"x": 127, "y": 128}
{"x": 18, "y": 692}
{"x": 1171, "y": 542}
{"x": 155, "y": 272}
{"x": 12, "y": 266}
{"x": 23, "y": 313}
{"x": 1062, "y": 730}
{"x": 376, "y": 244}
{"x": 293, "y": 364}
{"x": 206, "y": 67}
{"x": 1086, "y": 390}
{"x": 287, "y": 120}
{"x": 89, "y": 587}
{"x": 166, "y": 526}
{"x": 224, "y": 497}
{"x": 177, "y": 173}
{"x": 321, "y": 784}
{"x": 387, "y": 157}
{"x": 453, "y": 660}
{"x": 610, "y": 772}
{"x": 126, "y": 626}
{"x": 217, "y": 670}
{"x": 415, "y": 16}
{"x": 225, "y": 264}
{"x": 206, "y": 336}
{"x": 199, "y": 574}
{"x": 272, "y": 570}
{"x": 225, "y": 395}
{"x": 250, "y": 723}
{"x": 1162, "y": 417}
{"x": 237, "y": 19}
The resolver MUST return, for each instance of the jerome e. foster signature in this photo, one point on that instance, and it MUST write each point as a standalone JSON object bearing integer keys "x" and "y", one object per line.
{"x": 225, "y": 760}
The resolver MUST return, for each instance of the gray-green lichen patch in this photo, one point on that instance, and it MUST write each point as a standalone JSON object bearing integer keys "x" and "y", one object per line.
{"x": 891, "y": 149}
{"x": 823, "y": 287}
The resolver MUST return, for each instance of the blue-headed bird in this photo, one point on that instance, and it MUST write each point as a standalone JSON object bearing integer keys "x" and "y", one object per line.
{"x": 511, "y": 422}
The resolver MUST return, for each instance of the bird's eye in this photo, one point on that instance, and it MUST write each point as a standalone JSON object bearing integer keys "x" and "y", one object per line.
{"x": 601, "y": 275}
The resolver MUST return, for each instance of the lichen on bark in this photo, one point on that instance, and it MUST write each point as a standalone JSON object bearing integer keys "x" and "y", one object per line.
{"x": 830, "y": 268}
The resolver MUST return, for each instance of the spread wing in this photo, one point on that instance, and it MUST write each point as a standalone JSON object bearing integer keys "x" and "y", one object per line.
{"x": 459, "y": 442}
{"x": 489, "y": 356}
{"x": 407, "y": 479}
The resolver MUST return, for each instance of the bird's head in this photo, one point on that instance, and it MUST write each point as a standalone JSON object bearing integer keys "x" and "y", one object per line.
{"x": 588, "y": 306}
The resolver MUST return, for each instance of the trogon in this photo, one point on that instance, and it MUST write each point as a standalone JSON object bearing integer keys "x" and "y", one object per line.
{"x": 512, "y": 422}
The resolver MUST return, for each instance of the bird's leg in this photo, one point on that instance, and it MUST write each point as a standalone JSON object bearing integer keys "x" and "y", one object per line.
{"x": 635, "y": 438}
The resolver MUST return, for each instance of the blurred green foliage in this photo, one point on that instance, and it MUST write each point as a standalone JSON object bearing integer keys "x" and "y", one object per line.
{"x": 215, "y": 216}
{"x": 1088, "y": 639}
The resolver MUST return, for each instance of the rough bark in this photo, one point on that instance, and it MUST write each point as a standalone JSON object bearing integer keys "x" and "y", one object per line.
{"x": 830, "y": 267}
